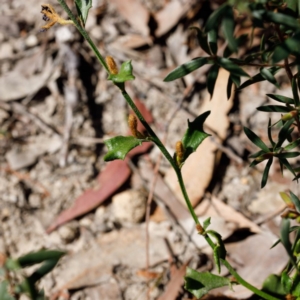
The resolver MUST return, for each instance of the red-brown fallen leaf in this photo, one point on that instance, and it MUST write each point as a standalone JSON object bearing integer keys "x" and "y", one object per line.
{"x": 110, "y": 180}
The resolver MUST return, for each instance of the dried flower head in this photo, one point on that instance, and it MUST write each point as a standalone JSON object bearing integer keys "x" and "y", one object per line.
{"x": 51, "y": 16}
{"x": 179, "y": 152}
{"x": 112, "y": 66}
{"x": 132, "y": 123}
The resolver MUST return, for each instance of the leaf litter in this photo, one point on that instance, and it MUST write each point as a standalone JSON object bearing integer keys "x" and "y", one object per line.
{"x": 39, "y": 194}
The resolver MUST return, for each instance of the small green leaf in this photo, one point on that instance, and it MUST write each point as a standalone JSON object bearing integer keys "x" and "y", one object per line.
{"x": 281, "y": 19}
{"x": 12, "y": 264}
{"x": 270, "y": 134}
{"x": 284, "y": 132}
{"x": 295, "y": 92}
{"x": 83, "y": 7}
{"x": 281, "y": 99}
{"x": 231, "y": 67}
{"x": 124, "y": 74}
{"x": 241, "y": 40}
{"x": 194, "y": 135}
{"x": 296, "y": 246}
{"x": 285, "y": 238}
{"x": 274, "y": 108}
{"x": 39, "y": 256}
{"x": 186, "y": 68}
{"x": 228, "y": 28}
{"x": 284, "y": 161}
{"x": 292, "y": 145}
{"x": 287, "y": 154}
{"x": 199, "y": 284}
{"x": 275, "y": 244}
{"x": 292, "y": 4}
{"x": 222, "y": 251}
{"x": 254, "y": 163}
{"x": 212, "y": 78}
{"x": 212, "y": 41}
{"x": 258, "y": 77}
{"x": 46, "y": 267}
{"x": 257, "y": 154}
{"x": 296, "y": 201}
{"x": 266, "y": 74}
{"x": 286, "y": 281}
{"x": 202, "y": 39}
{"x": 4, "y": 294}
{"x": 229, "y": 87}
{"x": 266, "y": 173}
{"x": 274, "y": 286}
{"x": 214, "y": 19}
{"x": 119, "y": 146}
{"x": 216, "y": 251}
{"x": 256, "y": 140}
{"x": 206, "y": 223}
{"x": 235, "y": 79}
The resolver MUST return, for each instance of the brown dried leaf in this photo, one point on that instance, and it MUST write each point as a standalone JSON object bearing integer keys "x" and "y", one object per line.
{"x": 169, "y": 16}
{"x": 110, "y": 180}
{"x": 14, "y": 86}
{"x": 198, "y": 169}
{"x": 134, "y": 13}
{"x": 216, "y": 208}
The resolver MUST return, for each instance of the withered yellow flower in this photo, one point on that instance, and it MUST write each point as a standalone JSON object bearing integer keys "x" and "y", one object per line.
{"x": 51, "y": 16}
{"x": 132, "y": 123}
{"x": 112, "y": 66}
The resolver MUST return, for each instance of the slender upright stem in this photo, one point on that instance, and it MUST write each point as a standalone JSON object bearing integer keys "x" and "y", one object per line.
{"x": 165, "y": 152}
{"x": 84, "y": 34}
{"x": 244, "y": 283}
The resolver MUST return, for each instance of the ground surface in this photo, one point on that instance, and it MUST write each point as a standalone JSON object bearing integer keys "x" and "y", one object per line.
{"x": 56, "y": 108}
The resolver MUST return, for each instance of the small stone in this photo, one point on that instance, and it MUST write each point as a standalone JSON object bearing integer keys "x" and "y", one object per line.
{"x": 34, "y": 200}
{"x": 86, "y": 222}
{"x": 31, "y": 41}
{"x": 129, "y": 206}
{"x": 96, "y": 33}
{"x": 5, "y": 213}
{"x": 100, "y": 213}
{"x": 68, "y": 233}
{"x": 3, "y": 115}
{"x": 63, "y": 34}
{"x": 6, "y": 50}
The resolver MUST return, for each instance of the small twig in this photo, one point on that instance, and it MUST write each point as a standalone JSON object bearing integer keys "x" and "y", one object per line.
{"x": 19, "y": 108}
{"x": 71, "y": 98}
{"x": 83, "y": 140}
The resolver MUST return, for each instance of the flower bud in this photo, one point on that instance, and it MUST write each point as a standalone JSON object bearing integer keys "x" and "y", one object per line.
{"x": 132, "y": 123}
{"x": 179, "y": 152}
{"x": 287, "y": 200}
{"x": 289, "y": 115}
{"x": 290, "y": 215}
{"x": 200, "y": 229}
{"x": 112, "y": 66}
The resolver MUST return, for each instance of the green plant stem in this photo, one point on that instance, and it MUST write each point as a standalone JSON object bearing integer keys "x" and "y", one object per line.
{"x": 165, "y": 152}
{"x": 84, "y": 34}
{"x": 244, "y": 283}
